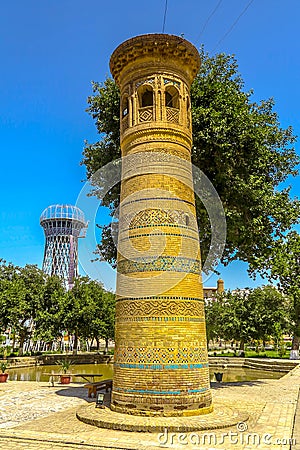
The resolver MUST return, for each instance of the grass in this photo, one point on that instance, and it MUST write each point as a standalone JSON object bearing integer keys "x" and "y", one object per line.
{"x": 253, "y": 354}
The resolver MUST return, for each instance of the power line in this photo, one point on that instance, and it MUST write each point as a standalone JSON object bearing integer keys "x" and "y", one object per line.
{"x": 208, "y": 19}
{"x": 165, "y": 16}
{"x": 233, "y": 25}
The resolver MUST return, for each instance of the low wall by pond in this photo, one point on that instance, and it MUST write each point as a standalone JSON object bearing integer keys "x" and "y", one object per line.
{"x": 82, "y": 358}
{"x": 274, "y": 365}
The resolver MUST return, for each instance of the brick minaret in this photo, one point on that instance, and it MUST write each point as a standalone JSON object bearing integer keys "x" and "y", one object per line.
{"x": 161, "y": 364}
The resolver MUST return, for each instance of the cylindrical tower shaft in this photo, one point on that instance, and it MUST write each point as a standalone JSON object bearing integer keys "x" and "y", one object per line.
{"x": 161, "y": 364}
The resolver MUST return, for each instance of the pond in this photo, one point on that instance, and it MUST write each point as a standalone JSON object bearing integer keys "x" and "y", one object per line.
{"x": 241, "y": 374}
{"x": 39, "y": 373}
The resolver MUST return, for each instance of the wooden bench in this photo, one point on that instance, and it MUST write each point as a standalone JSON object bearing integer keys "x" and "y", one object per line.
{"x": 97, "y": 386}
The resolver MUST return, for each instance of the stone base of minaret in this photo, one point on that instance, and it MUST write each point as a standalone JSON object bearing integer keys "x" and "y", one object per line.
{"x": 223, "y": 416}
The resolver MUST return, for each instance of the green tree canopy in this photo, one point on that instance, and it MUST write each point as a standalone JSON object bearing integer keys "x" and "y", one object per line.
{"x": 37, "y": 306}
{"x": 245, "y": 315}
{"x": 87, "y": 311}
{"x": 283, "y": 264}
{"x": 47, "y": 324}
{"x": 21, "y": 293}
{"x": 239, "y": 144}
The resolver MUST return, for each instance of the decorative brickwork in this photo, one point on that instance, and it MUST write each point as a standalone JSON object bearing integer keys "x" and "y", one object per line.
{"x": 146, "y": 114}
{"x": 161, "y": 263}
{"x": 151, "y": 217}
{"x": 164, "y": 307}
{"x": 169, "y": 358}
{"x": 161, "y": 364}
{"x": 172, "y": 115}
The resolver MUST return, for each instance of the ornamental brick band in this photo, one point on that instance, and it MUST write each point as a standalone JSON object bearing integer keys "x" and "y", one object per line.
{"x": 161, "y": 363}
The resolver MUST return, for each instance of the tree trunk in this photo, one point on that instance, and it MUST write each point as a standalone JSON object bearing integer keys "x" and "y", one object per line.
{"x": 106, "y": 346}
{"x": 242, "y": 344}
{"x": 75, "y": 345}
{"x": 21, "y": 344}
{"x": 14, "y": 341}
{"x": 295, "y": 342}
{"x": 294, "y": 354}
{"x": 98, "y": 344}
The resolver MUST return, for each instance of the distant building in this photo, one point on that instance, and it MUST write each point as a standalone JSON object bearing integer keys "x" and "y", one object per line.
{"x": 63, "y": 225}
{"x": 211, "y": 292}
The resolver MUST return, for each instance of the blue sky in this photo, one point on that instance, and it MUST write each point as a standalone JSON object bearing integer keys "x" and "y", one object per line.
{"x": 51, "y": 50}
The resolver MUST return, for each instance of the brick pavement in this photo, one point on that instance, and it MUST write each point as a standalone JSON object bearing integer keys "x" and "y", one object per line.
{"x": 270, "y": 403}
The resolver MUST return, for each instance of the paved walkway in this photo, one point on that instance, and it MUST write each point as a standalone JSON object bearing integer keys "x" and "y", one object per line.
{"x": 296, "y": 429}
{"x": 36, "y": 416}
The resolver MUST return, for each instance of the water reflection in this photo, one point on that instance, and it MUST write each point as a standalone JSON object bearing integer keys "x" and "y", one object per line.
{"x": 41, "y": 373}
{"x": 240, "y": 374}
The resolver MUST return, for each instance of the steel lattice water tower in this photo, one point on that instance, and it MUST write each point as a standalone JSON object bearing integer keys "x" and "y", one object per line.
{"x": 63, "y": 225}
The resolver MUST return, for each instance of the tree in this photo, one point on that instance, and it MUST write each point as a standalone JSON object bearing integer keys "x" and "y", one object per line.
{"x": 47, "y": 325}
{"x": 37, "y": 306}
{"x": 270, "y": 312}
{"x": 84, "y": 311}
{"x": 7, "y": 274}
{"x": 108, "y": 329}
{"x": 283, "y": 265}
{"x": 214, "y": 309}
{"x": 101, "y": 311}
{"x": 240, "y": 146}
{"x": 246, "y": 315}
{"x": 21, "y": 294}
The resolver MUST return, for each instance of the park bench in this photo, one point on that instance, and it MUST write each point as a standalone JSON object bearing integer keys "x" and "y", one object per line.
{"x": 97, "y": 386}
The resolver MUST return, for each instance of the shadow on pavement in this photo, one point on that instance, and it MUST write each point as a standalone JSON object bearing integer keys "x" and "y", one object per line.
{"x": 215, "y": 385}
{"x": 81, "y": 392}
{"x": 75, "y": 391}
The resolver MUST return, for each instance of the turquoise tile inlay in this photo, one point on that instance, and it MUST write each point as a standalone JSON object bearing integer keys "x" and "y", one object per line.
{"x": 160, "y": 366}
{"x": 149, "y": 391}
{"x": 192, "y": 391}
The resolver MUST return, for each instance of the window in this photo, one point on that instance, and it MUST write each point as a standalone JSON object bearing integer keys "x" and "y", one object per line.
{"x": 125, "y": 107}
{"x": 171, "y": 97}
{"x": 147, "y": 98}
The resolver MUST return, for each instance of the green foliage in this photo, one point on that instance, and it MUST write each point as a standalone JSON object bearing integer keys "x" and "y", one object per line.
{"x": 244, "y": 152}
{"x": 36, "y": 306}
{"x": 240, "y": 146}
{"x": 247, "y": 315}
{"x": 281, "y": 351}
{"x": 64, "y": 364}
{"x": 88, "y": 310}
{"x": 253, "y": 354}
{"x": 48, "y": 315}
{"x": 21, "y": 291}
{"x": 283, "y": 265}
{"x": 3, "y": 366}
